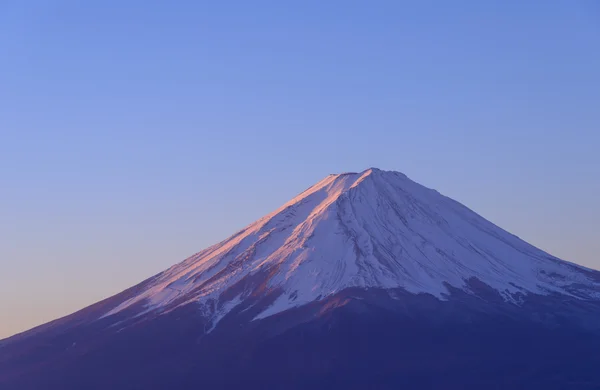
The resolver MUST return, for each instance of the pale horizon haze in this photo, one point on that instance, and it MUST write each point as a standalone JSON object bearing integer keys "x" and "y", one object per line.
{"x": 136, "y": 133}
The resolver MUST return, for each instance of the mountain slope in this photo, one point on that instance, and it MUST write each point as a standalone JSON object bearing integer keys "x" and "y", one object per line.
{"x": 365, "y": 279}
{"x": 369, "y": 229}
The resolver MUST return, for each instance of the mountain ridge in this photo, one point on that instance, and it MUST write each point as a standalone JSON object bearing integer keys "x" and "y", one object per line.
{"x": 369, "y": 229}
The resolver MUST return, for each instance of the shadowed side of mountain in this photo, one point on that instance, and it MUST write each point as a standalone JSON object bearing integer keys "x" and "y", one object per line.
{"x": 384, "y": 337}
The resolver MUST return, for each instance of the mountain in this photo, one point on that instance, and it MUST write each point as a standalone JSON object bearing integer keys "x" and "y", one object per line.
{"x": 364, "y": 280}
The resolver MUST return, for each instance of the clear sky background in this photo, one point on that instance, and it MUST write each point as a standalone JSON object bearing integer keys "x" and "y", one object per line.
{"x": 135, "y": 133}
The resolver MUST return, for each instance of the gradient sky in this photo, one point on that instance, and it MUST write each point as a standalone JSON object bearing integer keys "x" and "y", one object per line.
{"x": 135, "y": 133}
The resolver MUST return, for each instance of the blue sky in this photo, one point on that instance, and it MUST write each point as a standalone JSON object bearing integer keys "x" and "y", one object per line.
{"x": 135, "y": 133}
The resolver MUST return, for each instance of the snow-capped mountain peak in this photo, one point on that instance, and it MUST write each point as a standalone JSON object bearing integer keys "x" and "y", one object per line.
{"x": 369, "y": 229}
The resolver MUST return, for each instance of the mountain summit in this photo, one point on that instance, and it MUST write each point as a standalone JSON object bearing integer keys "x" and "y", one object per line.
{"x": 360, "y": 270}
{"x": 369, "y": 229}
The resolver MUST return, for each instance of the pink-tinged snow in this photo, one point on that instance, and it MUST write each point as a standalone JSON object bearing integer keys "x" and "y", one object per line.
{"x": 369, "y": 229}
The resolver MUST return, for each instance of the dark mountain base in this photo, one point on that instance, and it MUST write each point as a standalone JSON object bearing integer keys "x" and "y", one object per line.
{"x": 355, "y": 340}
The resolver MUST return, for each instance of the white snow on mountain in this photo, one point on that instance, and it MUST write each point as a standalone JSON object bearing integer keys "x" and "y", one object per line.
{"x": 368, "y": 229}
